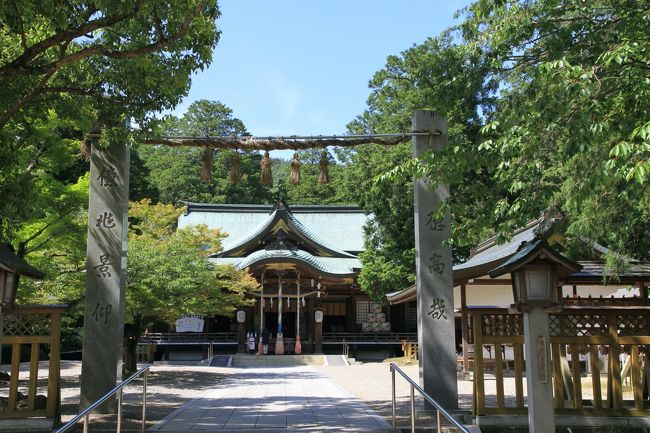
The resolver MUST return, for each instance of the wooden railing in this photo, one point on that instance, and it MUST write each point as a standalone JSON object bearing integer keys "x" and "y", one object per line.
{"x": 612, "y": 342}
{"x": 188, "y": 337}
{"x": 34, "y": 327}
{"x": 380, "y": 337}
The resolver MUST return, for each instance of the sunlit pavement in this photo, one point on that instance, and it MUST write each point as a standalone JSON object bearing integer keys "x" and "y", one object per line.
{"x": 279, "y": 399}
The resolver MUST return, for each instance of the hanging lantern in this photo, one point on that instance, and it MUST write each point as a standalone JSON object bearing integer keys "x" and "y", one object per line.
{"x": 262, "y": 302}
{"x": 267, "y": 176}
{"x": 288, "y": 302}
{"x": 318, "y": 290}
{"x": 235, "y": 168}
{"x": 294, "y": 178}
{"x": 324, "y": 176}
{"x": 271, "y": 302}
{"x": 303, "y": 301}
{"x": 206, "y": 164}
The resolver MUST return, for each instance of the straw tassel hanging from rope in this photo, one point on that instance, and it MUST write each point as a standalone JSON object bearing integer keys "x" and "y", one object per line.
{"x": 294, "y": 177}
{"x": 267, "y": 176}
{"x": 235, "y": 168}
{"x": 206, "y": 164}
{"x": 324, "y": 176}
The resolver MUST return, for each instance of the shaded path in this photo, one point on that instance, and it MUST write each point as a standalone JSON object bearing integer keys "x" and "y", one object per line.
{"x": 281, "y": 399}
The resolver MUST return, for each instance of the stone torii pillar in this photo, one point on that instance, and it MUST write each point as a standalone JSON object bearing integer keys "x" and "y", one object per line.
{"x": 434, "y": 281}
{"x": 105, "y": 273}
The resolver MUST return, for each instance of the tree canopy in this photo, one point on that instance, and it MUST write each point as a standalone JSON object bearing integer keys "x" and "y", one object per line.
{"x": 547, "y": 106}
{"x": 174, "y": 173}
{"x": 70, "y": 69}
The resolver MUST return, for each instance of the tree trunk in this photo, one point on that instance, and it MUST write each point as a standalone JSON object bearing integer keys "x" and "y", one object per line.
{"x": 131, "y": 340}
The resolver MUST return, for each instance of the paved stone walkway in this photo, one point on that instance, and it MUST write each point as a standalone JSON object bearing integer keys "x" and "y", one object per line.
{"x": 280, "y": 399}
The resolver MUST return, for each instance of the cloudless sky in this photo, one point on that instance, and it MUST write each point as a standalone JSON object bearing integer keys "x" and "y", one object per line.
{"x": 302, "y": 66}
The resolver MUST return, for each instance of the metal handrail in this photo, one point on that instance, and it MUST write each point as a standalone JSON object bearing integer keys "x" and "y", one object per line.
{"x": 414, "y": 386}
{"x": 85, "y": 415}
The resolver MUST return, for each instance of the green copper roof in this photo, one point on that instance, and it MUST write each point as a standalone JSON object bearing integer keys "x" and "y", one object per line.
{"x": 264, "y": 230}
{"x": 339, "y": 228}
{"x": 334, "y": 266}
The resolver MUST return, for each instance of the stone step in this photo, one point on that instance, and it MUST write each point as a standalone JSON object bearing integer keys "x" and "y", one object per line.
{"x": 246, "y": 360}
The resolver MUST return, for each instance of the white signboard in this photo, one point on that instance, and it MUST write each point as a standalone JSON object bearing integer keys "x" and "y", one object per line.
{"x": 241, "y": 316}
{"x": 190, "y": 324}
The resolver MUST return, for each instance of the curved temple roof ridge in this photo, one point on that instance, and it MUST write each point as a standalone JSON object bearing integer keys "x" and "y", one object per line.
{"x": 281, "y": 212}
{"x": 297, "y": 256}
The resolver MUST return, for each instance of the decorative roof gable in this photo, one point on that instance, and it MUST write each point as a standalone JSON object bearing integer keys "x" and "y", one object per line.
{"x": 282, "y": 227}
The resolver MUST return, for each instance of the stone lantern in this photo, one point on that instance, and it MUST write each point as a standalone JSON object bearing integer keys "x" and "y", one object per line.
{"x": 12, "y": 266}
{"x": 535, "y": 270}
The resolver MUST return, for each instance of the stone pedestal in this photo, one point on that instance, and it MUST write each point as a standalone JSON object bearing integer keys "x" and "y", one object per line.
{"x": 538, "y": 372}
{"x": 434, "y": 284}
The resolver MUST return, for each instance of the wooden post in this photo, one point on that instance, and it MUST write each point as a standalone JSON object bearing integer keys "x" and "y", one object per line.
{"x": 298, "y": 347}
{"x": 463, "y": 326}
{"x": 434, "y": 285}
{"x": 318, "y": 330}
{"x": 105, "y": 273}
{"x": 279, "y": 341}
{"x": 53, "y": 382}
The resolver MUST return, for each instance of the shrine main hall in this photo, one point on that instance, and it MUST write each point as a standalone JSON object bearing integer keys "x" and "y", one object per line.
{"x": 306, "y": 260}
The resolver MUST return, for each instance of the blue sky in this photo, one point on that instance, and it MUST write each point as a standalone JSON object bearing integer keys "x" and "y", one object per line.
{"x": 302, "y": 67}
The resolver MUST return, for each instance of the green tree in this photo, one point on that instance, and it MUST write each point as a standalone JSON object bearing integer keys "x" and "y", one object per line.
{"x": 69, "y": 69}
{"x": 547, "y": 106}
{"x": 136, "y": 56}
{"x": 439, "y": 75}
{"x": 309, "y": 191}
{"x": 175, "y": 172}
{"x": 169, "y": 272}
{"x": 572, "y": 124}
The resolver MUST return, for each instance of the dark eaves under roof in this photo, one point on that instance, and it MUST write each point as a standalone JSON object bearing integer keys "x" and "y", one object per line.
{"x": 16, "y": 264}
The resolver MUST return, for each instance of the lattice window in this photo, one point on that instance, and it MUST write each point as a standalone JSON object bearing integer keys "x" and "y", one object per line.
{"x": 502, "y": 324}
{"x": 363, "y": 308}
{"x": 578, "y": 325}
{"x": 633, "y": 324}
{"x": 32, "y": 324}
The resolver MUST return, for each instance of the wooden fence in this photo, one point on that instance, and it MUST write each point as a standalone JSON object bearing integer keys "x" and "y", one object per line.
{"x": 611, "y": 342}
{"x": 38, "y": 329}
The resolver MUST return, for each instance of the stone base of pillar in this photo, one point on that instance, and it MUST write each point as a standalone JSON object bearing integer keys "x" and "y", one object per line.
{"x": 279, "y": 345}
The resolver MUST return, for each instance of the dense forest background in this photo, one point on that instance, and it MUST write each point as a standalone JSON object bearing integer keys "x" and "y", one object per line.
{"x": 547, "y": 103}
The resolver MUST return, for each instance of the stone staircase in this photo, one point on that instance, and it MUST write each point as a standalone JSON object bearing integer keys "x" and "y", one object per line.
{"x": 246, "y": 360}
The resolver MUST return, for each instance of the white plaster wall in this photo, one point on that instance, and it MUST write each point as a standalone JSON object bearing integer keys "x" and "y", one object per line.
{"x": 485, "y": 296}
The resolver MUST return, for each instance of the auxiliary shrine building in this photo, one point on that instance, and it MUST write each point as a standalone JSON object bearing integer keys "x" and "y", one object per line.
{"x": 306, "y": 261}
